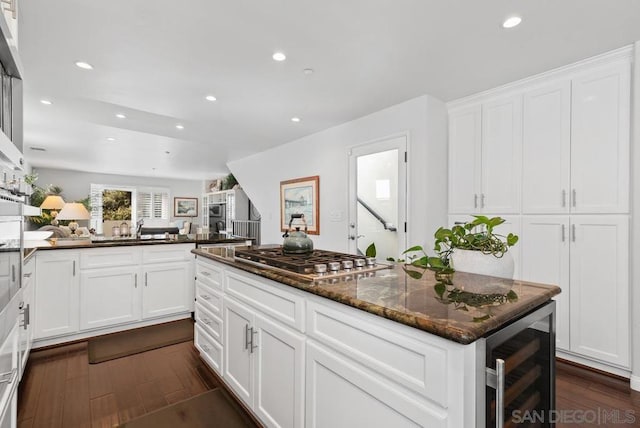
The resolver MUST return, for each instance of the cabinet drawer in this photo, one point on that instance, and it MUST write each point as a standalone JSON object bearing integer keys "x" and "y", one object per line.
{"x": 416, "y": 365}
{"x": 209, "y": 322}
{"x": 95, "y": 258}
{"x": 283, "y": 305}
{"x": 209, "y": 298}
{"x": 209, "y": 274}
{"x": 155, "y": 253}
{"x": 210, "y": 350}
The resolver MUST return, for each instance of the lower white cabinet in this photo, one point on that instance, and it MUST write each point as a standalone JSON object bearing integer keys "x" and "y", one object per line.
{"x": 57, "y": 293}
{"x": 264, "y": 364}
{"x": 168, "y": 289}
{"x": 587, "y": 256}
{"x": 109, "y": 296}
{"x": 340, "y": 394}
{"x": 27, "y": 306}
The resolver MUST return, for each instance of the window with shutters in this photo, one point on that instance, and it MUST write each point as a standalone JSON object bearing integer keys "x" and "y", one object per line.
{"x": 119, "y": 203}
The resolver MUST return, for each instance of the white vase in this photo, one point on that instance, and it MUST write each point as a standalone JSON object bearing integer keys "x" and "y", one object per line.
{"x": 482, "y": 264}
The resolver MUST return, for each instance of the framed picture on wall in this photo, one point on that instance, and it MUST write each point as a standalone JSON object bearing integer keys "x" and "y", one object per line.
{"x": 301, "y": 196}
{"x": 185, "y": 207}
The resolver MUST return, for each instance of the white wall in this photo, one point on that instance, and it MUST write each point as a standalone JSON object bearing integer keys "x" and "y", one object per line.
{"x": 76, "y": 185}
{"x": 325, "y": 154}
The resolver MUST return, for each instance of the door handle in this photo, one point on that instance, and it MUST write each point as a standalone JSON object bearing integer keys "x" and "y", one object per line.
{"x": 573, "y": 233}
{"x": 13, "y": 273}
{"x": 495, "y": 380}
{"x": 203, "y": 273}
{"x": 74, "y": 268}
{"x": 354, "y": 237}
{"x": 563, "y": 233}
{"x": 573, "y": 195}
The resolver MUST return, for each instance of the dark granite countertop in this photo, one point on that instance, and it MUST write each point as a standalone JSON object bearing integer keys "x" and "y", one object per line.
{"x": 67, "y": 243}
{"x": 471, "y": 307}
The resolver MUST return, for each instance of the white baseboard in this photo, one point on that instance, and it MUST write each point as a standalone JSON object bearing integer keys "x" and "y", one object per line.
{"x": 635, "y": 383}
{"x": 618, "y": 371}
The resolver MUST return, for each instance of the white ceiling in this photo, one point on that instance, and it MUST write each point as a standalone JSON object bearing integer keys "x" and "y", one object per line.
{"x": 155, "y": 60}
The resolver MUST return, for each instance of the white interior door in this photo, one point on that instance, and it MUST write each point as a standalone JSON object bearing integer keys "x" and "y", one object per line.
{"x": 378, "y": 197}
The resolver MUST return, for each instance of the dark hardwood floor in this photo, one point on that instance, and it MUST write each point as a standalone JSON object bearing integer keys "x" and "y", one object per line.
{"x": 61, "y": 388}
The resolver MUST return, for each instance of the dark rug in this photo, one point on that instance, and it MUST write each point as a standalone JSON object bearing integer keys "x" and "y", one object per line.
{"x": 121, "y": 344}
{"x": 212, "y": 409}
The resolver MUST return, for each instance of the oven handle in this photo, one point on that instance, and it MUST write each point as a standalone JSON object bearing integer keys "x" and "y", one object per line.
{"x": 495, "y": 380}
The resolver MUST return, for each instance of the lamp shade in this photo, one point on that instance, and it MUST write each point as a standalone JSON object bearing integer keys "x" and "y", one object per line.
{"x": 52, "y": 202}
{"x": 73, "y": 211}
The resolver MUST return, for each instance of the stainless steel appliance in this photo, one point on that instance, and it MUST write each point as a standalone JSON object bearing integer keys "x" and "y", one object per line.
{"x": 519, "y": 377}
{"x": 319, "y": 265}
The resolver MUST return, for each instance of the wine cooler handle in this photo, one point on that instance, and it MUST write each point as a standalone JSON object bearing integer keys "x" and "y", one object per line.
{"x": 500, "y": 393}
{"x": 495, "y": 379}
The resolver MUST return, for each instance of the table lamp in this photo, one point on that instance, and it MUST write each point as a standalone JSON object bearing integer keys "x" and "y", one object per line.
{"x": 73, "y": 211}
{"x": 53, "y": 203}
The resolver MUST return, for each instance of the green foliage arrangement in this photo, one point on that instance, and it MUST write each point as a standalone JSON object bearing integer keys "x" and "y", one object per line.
{"x": 37, "y": 198}
{"x": 476, "y": 235}
{"x": 116, "y": 205}
{"x": 228, "y": 182}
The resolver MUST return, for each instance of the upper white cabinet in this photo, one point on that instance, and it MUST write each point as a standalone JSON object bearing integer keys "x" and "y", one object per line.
{"x": 465, "y": 135}
{"x": 484, "y": 157}
{"x": 546, "y": 149}
{"x": 600, "y": 120}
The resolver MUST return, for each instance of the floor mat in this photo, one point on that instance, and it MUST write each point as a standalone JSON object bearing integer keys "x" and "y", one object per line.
{"x": 121, "y": 344}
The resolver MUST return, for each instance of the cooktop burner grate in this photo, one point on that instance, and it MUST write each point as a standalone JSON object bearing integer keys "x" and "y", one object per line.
{"x": 299, "y": 263}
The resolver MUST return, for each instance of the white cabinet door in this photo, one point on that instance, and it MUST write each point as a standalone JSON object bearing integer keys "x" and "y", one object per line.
{"x": 238, "y": 360}
{"x": 545, "y": 259}
{"x": 546, "y": 148}
{"x": 168, "y": 289}
{"x": 600, "y": 288}
{"x": 501, "y": 155}
{"x": 278, "y": 366}
{"x": 109, "y": 296}
{"x": 600, "y": 140}
{"x": 465, "y": 135}
{"x": 341, "y": 394}
{"x": 57, "y": 293}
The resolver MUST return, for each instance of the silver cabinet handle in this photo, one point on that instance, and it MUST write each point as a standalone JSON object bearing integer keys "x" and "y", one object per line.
{"x": 482, "y": 200}
{"x": 135, "y": 280}
{"x": 495, "y": 380}
{"x": 253, "y": 333}
{"x": 573, "y": 197}
{"x": 25, "y": 312}
{"x": 573, "y": 232}
{"x": 205, "y": 296}
{"x": 27, "y": 275}
{"x": 205, "y": 273}
{"x": 207, "y": 321}
{"x": 74, "y": 268}
{"x": 13, "y": 273}
{"x": 9, "y": 377}
{"x": 563, "y": 233}
{"x": 246, "y": 336}
{"x": 475, "y": 200}
{"x": 146, "y": 282}
{"x": 564, "y": 198}
{"x": 206, "y": 348}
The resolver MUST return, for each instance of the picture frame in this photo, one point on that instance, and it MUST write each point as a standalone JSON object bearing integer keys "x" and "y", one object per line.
{"x": 185, "y": 207}
{"x": 301, "y": 195}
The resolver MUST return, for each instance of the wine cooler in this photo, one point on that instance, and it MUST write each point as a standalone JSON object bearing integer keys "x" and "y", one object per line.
{"x": 519, "y": 387}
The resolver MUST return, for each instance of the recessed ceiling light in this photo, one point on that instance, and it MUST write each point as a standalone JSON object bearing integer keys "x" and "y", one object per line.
{"x": 46, "y": 102}
{"x": 279, "y": 56}
{"x": 308, "y": 71}
{"x": 84, "y": 65}
{"x": 180, "y": 126}
{"x": 511, "y": 22}
{"x": 38, "y": 149}
{"x": 295, "y": 119}
{"x": 121, "y": 116}
{"x": 210, "y": 98}
{"x": 167, "y": 152}
{"x": 111, "y": 139}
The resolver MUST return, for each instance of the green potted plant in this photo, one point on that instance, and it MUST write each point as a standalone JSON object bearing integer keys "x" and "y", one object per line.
{"x": 471, "y": 247}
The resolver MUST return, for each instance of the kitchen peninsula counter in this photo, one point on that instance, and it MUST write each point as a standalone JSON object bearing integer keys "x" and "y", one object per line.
{"x": 198, "y": 239}
{"x": 471, "y": 307}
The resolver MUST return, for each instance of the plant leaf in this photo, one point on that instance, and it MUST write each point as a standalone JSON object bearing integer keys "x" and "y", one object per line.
{"x": 371, "y": 250}
{"x": 412, "y": 273}
{"x": 414, "y": 248}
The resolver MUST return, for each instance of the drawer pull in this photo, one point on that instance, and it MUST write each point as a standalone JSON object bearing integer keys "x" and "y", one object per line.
{"x": 205, "y": 296}
{"x": 207, "y": 321}
{"x": 205, "y": 273}
{"x": 206, "y": 348}
{"x": 27, "y": 275}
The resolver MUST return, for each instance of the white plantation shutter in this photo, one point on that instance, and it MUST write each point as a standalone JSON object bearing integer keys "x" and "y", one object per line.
{"x": 95, "y": 198}
{"x": 153, "y": 204}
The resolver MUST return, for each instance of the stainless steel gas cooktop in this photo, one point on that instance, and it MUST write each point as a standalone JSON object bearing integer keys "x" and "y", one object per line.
{"x": 319, "y": 264}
